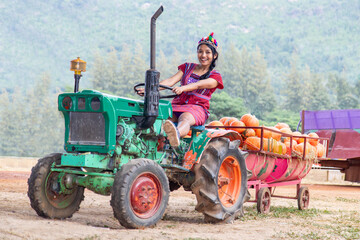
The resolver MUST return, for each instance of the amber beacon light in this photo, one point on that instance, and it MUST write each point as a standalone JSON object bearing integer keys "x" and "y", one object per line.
{"x": 78, "y": 66}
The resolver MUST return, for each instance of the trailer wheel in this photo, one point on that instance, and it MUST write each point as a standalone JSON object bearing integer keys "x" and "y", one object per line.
{"x": 44, "y": 191}
{"x": 263, "y": 200}
{"x": 303, "y": 198}
{"x": 140, "y": 194}
{"x": 220, "y": 181}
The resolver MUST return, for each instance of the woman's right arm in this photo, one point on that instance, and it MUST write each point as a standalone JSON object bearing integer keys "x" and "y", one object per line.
{"x": 167, "y": 82}
{"x": 172, "y": 80}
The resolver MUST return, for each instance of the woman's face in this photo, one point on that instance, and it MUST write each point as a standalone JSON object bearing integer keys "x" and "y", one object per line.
{"x": 205, "y": 55}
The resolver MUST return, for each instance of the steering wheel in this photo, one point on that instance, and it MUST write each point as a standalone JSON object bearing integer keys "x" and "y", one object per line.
{"x": 162, "y": 86}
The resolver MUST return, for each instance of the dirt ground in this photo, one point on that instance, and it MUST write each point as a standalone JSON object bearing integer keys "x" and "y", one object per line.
{"x": 95, "y": 218}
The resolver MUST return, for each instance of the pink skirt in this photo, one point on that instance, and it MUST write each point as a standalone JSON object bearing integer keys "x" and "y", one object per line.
{"x": 197, "y": 111}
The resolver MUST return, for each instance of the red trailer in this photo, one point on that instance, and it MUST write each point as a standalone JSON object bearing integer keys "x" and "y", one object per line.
{"x": 342, "y": 127}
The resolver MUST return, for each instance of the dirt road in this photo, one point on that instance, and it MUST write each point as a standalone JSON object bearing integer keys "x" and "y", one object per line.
{"x": 334, "y": 213}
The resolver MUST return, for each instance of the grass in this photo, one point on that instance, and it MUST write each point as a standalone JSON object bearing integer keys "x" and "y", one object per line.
{"x": 311, "y": 223}
{"x": 341, "y": 199}
{"x": 281, "y": 212}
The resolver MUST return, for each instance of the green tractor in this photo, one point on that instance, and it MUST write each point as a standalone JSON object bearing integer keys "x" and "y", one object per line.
{"x": 116, "y": 146}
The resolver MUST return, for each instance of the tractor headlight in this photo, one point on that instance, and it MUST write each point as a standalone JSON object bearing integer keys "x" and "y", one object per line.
{"x": 67, "y": 103}
{"x": 95, "y": 103}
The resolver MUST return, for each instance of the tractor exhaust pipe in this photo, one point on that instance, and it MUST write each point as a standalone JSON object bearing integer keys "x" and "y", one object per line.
{"x": 152, "y": 95}
{"x": 153, "y": 36}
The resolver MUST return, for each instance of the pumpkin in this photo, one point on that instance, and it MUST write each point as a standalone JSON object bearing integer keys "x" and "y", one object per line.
{"x": 281, "y": 125}
{"x": 237, "y": 123}
{"x": 275, "y": 135}
{"x": 296, "y": 133}
{"x": 266, "y": 134}
{"x": 215, "y": 123}
{"x": 253, "y": 143}
{"x": 223, "y": 120}
{"x": 229, "y": 121}
{"x": 313, "y": 142}
{"x": 283, "y": 148}
{"x": 301, "y": 140}
{"x": 320, "y": 150}
{"x": 299, "y": 148}
{"x": 249, "y": 132}
{"x": 287, "y": 131}
{"x": 250, "y": 120}
{"x": 287, "y": 144}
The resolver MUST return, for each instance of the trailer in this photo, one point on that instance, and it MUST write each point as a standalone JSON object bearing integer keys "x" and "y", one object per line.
{"x": 342, "y": 127}
{"x": 268, "y": 169}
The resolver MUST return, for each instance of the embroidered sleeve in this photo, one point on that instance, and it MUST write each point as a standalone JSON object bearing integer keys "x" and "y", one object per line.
{"x": 182, "y": 67}
{"x": 216, "y": 75}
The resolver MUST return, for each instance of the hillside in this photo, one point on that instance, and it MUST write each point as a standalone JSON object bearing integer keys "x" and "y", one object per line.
{"x": 43, "y": 36}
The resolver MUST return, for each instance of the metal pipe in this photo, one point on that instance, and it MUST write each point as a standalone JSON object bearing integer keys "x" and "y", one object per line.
{"x": 152, "y": 36}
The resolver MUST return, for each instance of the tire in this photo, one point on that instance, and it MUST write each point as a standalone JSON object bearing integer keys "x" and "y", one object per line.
{"x": 140, "y": 194}
{"x": 43, "y": 191}
{"x": 303, "y": 198}
{"x": 220, "y": 182}
{"x": 263, "y": 200}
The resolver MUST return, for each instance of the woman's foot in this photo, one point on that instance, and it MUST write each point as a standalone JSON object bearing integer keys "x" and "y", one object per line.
{"x": 172, "y": 133}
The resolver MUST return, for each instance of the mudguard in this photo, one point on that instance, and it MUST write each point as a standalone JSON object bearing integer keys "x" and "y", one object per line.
{"x": 199, "y": 143}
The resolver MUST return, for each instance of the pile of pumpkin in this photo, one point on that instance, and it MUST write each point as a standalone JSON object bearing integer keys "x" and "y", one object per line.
{"x": 275, "y": 139}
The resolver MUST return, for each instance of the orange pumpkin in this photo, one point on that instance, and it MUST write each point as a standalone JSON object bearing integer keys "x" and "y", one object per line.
{"x": 229, "y": 121}
{"x": 237, "y": 123}
{"x": 250, "y": 120}
{"x": 286, "y": 130}
{"x": 223, "y": 120}
{"x": 216, "y": 124}
{"x": 320, "y": 150}
{"x": 275, "y": 135}
{"x": 313, "y": 142}
{"x": 281, "y": 125}
{"x": 287, "y": 144}
{"x": 296, "y": 133}
{"x": 266, "y": 134}
{"x": 299, "y": 148}
{"x": 253, "y": 143}
{"x": 301, "y": 140}
{"x": 249, "y": 132}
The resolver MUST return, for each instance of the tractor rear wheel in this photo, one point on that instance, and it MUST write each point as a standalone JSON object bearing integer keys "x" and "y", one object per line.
{"x": 220, "y": 181}
{"x": 44, "y": 191}
{"x": 140, "y": 194}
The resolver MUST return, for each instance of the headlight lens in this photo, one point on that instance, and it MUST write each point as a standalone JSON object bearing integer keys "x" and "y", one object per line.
{"x": 67, "y": 103}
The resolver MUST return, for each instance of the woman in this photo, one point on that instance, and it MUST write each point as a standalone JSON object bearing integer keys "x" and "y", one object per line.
{"x": 198, "y": 82}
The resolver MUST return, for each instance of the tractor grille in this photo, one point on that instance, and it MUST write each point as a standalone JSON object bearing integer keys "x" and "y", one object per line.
{"x": 87, "y": 128}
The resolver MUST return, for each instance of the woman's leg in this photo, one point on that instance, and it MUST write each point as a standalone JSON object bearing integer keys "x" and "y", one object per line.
{"x": 185, "y": 121}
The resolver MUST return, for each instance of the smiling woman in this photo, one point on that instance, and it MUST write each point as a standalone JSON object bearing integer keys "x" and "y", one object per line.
{"x": 198, "y": 83}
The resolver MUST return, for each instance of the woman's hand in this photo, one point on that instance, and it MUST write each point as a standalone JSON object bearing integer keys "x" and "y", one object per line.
{"x": 140, "y": 91}
{"x": 178, "y": 90}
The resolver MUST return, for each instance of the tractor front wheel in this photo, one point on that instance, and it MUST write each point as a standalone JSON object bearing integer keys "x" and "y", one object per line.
{"x": 220, "y": 181}
{"x": 140, "y": 194}
{"x": 44, "y": 191}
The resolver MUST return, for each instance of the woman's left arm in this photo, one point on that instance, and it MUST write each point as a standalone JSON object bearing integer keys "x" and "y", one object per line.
{"x": 206, "y": 83}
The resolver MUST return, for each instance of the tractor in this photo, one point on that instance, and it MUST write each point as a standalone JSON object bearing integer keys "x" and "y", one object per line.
{"x": 116, "y": 146}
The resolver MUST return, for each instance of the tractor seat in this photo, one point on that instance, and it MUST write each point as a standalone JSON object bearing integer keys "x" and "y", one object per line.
{"x": 198, "y": 128}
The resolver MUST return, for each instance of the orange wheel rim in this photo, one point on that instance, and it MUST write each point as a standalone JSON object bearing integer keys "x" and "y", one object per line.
{"x": 145, "y": 195}
{"x": 229, "y": 181}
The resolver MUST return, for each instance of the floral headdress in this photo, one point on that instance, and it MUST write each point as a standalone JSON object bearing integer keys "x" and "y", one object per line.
{"x": 210, "y": 40}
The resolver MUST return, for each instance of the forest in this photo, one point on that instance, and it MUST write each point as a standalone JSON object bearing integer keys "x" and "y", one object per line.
{"x": 276, "y": 58}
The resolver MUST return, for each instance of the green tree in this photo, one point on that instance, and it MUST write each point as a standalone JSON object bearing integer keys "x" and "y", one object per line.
{"x": 293, "y": 90}
{"x": 223, "y": 105}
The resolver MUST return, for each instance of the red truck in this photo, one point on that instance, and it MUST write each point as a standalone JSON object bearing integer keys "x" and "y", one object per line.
{"x": 342, "y": 127}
